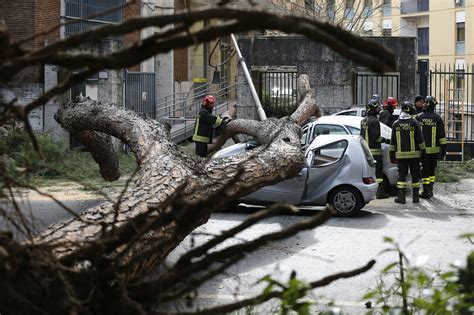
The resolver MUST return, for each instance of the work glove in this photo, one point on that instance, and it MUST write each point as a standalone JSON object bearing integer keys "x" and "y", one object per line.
{"x": 423, "y": 155}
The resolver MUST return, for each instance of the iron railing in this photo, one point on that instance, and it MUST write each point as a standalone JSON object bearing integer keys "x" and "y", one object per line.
{"x": 368, "y": 84}
{"x": 278, "y": 92}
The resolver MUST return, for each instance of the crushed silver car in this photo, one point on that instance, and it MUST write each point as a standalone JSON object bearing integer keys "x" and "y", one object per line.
{"x": 339, "y": 170}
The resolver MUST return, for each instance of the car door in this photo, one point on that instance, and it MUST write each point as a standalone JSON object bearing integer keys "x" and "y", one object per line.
{"x": 324, "y": 166}
{"x": 290, "y": 190}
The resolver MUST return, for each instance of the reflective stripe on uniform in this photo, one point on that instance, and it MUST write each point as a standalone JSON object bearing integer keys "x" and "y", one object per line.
{"x": 399, "y": 142}
{"x": 401, "y": 184}
{"x": 432, "y": 150}
{"x": 442, "y": 140}
{"x": 376, "y": 151}
{"x": 422, "y": 146}
{"x": 379, "y": 139}
{"x": 416, "y": 185}
{"x": 379, "y": 180}
{"x": 367, "y": 135}
{"x": 412, "y": 140}
{"x": 433, "y": 137}
{"x": 432, "y": 179}
{"x": 426, "y": 180}
{"x": 201, "y": 139}
{"x": 408, "y": 155}
{"x": 219, "y": 121}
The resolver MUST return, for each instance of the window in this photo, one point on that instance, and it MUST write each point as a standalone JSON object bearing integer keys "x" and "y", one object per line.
{"x": 387, "y": 32}
{"x": 324, "y": 129}
{"x": 387, "y": 8}
{"x": 328, "y": 154}
{"x": 422, "y": 5}
{"x": 460, "y": 37}
{"x": 353, "y": 130}
{"x": 87, "y": 14}
{"x": 349, "y": 9}
{"x": 459, "y": 3}
{"x": 423, "y": 41}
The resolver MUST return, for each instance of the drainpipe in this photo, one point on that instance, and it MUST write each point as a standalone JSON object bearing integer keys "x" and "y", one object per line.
{"x": 261, "y": 112}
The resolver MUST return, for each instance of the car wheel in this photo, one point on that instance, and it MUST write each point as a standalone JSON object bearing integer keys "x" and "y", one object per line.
{"x": 346, "y": 200}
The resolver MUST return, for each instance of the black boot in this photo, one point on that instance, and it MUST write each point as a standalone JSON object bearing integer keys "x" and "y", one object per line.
{"x": 426, "y": 192}
{"x": 401, "y": 196}
{"x": 381, "y": 192}
{"x": 416, "y": 195}
{"x": 431, "y": 189}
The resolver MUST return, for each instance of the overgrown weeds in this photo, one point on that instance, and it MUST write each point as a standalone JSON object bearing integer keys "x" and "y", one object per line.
{"x": 450, "y": 172}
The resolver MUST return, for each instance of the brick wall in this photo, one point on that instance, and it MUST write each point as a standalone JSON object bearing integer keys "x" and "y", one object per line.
{"x": 132, "y": 10}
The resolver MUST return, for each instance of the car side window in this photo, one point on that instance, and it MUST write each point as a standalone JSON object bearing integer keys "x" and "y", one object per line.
{"x": 328, "y": 154}
{"x": 353, "y": 130}
{"x": 304, "y": 135}
{"x": 348, "y": 113}
{"x": 325, "y": 129}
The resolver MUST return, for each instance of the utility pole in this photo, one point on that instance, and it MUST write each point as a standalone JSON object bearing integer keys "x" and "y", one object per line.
{"x": 261, "y": 112}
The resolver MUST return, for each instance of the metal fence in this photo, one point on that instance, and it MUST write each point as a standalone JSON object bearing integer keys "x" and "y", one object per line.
{"x": 140, "y": 93}
{"x": 278, "y": 92}
{"x": 453, "y": 87}
{"x": 368, "y": 84}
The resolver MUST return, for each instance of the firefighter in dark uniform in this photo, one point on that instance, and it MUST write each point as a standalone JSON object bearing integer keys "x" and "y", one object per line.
{"x": 386, "y": 116}
{"x": 419, "y": 103}
{"x": 434, "y": 134}
{"x": 370, "y": 131}
{"x": 205, "y": 121}
{"x": 406, "y": 148}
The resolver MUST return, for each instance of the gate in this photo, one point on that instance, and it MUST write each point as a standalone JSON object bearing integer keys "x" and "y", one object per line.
{"x": 278, "y": 92}
{"x": 452, "y": 86}
{"x": 140, "y": 93}
{"x": 368, "y": 84}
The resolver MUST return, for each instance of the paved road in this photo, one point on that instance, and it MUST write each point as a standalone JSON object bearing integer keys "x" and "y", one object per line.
{"x": 341, "y": 244}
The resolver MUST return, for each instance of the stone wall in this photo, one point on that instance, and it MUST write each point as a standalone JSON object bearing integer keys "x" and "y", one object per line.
{"x": 331, "y": 75}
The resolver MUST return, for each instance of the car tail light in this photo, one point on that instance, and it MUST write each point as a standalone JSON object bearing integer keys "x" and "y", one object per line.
{"x": 368, "y": 180}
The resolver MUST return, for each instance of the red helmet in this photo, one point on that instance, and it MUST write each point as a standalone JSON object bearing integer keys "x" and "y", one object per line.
{"x": 208, "y": 101}
{"x": 390, "y": 102}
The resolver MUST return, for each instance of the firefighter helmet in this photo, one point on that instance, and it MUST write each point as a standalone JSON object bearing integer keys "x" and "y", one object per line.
{"x": 208, "y": 101}
{"x": 430, "y": 103}
{"x": 377, "y": 98}
{"x": 390, "y": 102}
{"x": 372, "y": 105}
{"x": 408, "y": 107}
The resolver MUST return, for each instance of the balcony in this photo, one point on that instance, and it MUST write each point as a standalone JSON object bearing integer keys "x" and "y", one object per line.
{"x": 414, "y": 6}
{"x": 460, "y": 48}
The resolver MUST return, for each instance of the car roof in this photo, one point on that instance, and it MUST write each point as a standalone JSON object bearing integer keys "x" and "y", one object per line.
{"x": 353, "y": 121}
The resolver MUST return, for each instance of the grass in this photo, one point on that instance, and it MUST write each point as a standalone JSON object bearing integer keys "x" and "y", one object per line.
{"x": 450, "y": 172}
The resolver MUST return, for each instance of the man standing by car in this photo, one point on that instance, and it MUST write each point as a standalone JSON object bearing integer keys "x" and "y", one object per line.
{"x": 386, "y": 116}
{"x": 432, "y": 126}
{"x": 407, "y": 147}
{"x": 370, "y": 131}
{"x": 419, "y": 102}
{"x": 205, "y": 121}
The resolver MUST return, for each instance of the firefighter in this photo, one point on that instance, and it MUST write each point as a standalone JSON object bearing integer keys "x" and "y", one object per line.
{"x": 406, "y": 148}
{"x": 419, "y": 102}
{"x": 370, "y": 131}
{"x": 386, "y": 116}
{"x": 434, "y": 134}
{"x": 205, "y": 121}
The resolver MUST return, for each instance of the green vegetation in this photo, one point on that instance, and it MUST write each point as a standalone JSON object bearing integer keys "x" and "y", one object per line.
{"x": 449, "y": 172}
{"x": 408, "y": 286}
{"x": 57, "y": 164}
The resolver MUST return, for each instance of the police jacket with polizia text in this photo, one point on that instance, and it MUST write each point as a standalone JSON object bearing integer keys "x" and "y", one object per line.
{"x": 370, "y": 131}
{"x": 432, "y": 127}
{"x": 407, "y": 140}
{"x": 205, "y": 121}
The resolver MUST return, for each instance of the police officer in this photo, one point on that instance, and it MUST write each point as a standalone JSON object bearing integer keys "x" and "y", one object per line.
{"x": 205, "y": 121}
{"x": 419, "y": 102}
{"x": 407, "y": 147}
{"x": 435, "y": 138}
{"x": 370, "y": 131}
{"x": 386, "y": 116}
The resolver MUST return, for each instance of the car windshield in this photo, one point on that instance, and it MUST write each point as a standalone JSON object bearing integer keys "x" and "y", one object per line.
{"x": 353, "y": 130}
